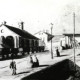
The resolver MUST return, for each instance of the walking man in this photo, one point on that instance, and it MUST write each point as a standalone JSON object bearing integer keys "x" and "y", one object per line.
{"x": 13, "y": 67}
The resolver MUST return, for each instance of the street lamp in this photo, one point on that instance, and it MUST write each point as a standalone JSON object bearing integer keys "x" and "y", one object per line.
{"x": 51, "y": 41}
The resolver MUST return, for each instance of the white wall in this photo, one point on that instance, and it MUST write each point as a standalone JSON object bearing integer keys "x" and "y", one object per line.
{"x": 4, "y": 31}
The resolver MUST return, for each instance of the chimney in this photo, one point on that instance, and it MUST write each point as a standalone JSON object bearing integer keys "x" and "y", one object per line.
{"x": 22, "y": 25}
{"x": 5, "y": 22}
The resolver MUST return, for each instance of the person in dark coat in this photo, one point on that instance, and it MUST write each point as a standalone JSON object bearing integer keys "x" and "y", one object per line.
{"x": 13, "y": 67}
{"x": 31, "y": 60}
{"x": 57, "y": 52}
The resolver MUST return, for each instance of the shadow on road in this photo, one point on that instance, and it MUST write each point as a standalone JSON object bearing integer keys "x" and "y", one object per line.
{"x": 63, "y": 55}
{"x": 32, "y": 69}
{"x": 59, "y": 71}
{"x": 23, "y": 72}
{"x": 43, "y": 65}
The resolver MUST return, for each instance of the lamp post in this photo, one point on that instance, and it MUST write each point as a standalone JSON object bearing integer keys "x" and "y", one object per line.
{"x": 51, "y": 41}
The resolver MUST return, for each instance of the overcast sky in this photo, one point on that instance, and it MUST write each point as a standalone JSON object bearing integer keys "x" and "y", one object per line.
{"x": 38, "y": 14}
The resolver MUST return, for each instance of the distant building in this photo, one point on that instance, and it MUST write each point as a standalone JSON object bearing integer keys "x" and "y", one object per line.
{"x": 57, "y": 40}
{"x": 43, "y": 37}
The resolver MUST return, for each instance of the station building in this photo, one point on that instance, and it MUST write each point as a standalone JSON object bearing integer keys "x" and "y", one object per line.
{"x": 12, "y": 37}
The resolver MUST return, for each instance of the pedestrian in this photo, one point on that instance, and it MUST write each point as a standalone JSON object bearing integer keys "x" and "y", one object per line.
{"x": 37, "y": 61}
{"x": 34, "y": 61}
{"x": 31, "y": 60}
{"x": 57, "y": 52}
{"x": 13, "y": 67}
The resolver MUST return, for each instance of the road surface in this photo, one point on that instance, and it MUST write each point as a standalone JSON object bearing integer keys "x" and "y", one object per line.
{"x": 24, "y": 65}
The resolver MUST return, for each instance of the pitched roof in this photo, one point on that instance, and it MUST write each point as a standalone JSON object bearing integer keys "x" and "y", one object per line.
{"x": 22, "y": 33}
{"x": 55, "y": 38}
{"x": 71, "y": 34}
{"x": 50, "y": 36}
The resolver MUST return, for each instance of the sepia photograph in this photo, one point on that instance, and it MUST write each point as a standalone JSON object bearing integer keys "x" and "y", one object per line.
{"x": 39, "y": 39}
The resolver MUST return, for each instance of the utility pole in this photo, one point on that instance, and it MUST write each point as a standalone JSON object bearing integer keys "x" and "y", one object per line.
{"x": 74, "y": 40}
{"x": 51, "y": 41}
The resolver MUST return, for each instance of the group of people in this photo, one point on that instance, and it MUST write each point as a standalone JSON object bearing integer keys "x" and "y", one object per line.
{"x": 33, "y": 60}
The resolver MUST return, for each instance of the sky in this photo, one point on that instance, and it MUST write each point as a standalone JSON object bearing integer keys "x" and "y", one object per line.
{"x": 38, "y": 15}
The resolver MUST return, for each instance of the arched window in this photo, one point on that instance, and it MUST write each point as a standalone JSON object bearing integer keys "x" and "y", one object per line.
{"x": 10, "y": 41}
